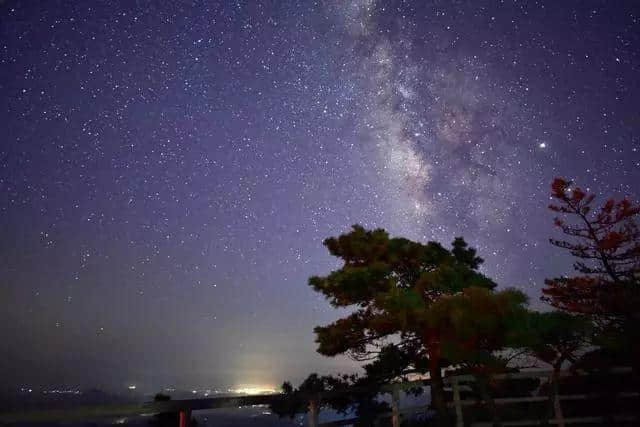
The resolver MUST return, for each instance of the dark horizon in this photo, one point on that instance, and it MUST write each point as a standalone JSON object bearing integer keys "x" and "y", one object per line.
{"x": 170, "y": 170}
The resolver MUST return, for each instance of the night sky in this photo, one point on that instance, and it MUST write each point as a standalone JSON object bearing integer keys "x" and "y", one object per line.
{"x": 168, "y": 170}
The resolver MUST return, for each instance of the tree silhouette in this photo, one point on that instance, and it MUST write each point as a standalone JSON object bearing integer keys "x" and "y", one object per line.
{"x": 555, "y": 338}
{"x": 392, "y": 284}
{"x": 476, "y": 325}
{"x": 342, "y": 393}
{"x": 606, "y": 241}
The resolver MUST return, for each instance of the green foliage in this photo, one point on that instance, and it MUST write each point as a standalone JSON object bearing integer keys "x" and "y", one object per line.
{"x": 420, "y": 307}
{"x": 476, "y": 323}
{"x": 555, "y": 337}
{"x": 343, "y": 393}
{"x": 390, "y": 283}
{"x": 391, "y": 362}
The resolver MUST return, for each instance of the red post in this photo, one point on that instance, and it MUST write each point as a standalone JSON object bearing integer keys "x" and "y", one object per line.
{"x": 184, "y": 418}
{"x": 395, "y": 407}
{"x": 313, "y": 413}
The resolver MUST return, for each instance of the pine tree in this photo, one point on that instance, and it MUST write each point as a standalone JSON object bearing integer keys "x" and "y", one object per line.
{"x": 606, "y": 243}
{"x": 391, "y": 284}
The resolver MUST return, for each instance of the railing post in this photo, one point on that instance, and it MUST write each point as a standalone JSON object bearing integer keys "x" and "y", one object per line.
{"x": 557, "y": 408}
{"x": 313, "y": 413}
{"x": 457, "y": 403}
{"x": 184, "y": 418}
{"x": 395, "y": 409}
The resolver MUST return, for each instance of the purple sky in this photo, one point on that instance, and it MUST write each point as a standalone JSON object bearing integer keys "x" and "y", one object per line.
{"x": 168, "y": 170}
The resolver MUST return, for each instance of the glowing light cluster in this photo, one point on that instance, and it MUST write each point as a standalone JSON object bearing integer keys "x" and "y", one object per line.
{"x": 253, "y": 390}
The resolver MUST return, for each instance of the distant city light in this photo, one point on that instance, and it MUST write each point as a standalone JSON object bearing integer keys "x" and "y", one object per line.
{"x": 542, "y": 145}
{"x": 253, "y": 390}
{"x": 58, "y": 391}
{"x": 132, "y": 387}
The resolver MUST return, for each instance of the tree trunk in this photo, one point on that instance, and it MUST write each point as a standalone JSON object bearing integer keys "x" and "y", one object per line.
{"x": 438, "y": 399}
{"x": 554, "y": 391}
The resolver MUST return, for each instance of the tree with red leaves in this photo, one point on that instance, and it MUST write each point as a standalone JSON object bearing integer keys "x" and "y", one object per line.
{"x": 606, "y": 241}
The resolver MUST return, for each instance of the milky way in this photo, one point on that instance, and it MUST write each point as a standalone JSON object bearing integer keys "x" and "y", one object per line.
{"x": 169, "y": 170}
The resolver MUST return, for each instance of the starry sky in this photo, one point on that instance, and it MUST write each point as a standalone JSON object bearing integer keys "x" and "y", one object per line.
{"x": 169, "y": 169}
